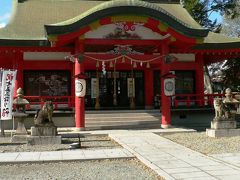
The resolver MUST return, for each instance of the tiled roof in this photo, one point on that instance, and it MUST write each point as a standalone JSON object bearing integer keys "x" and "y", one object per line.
{"x": 31, "y": 16}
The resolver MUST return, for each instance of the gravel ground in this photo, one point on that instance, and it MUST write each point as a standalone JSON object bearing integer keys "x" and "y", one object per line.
{"x": 88, "y": 142}
{"x": 88, "y": 170}
{"x": 204, "y": 144}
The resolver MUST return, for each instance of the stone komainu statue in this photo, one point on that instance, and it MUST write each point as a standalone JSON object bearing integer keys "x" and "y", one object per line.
{"x": 218, "y": 106}
{"x": 44, "y": 115}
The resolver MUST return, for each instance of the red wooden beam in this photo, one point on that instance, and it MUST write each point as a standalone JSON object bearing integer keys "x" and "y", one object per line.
{"x": 35, "y": 49}
{"x": 140, "y": 42}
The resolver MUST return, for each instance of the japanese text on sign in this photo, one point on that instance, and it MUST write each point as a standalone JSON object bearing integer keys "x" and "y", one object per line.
{"x": 8, "y": 82}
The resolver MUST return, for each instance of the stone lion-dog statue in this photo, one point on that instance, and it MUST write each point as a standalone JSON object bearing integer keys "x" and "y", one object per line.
{"x": 43, "y": 116}
{"x": 218, "y": 106}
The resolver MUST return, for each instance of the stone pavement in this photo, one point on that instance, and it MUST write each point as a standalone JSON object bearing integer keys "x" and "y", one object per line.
{"x": 48, "y": 156}
{"x": 170, "y": 160}
{"x": 173, "y": 161}
{"x": 230, "y": 158}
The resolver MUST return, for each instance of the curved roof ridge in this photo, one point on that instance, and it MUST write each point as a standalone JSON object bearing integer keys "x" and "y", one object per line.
{"x": 118, "y": 7}
{"x": 117, "y": 3}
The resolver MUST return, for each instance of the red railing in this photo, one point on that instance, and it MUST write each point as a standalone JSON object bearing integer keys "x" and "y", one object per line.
{"x": 188, "y": 100}
{"x": 59, "y": 102}
{"x": 178, "y": 100}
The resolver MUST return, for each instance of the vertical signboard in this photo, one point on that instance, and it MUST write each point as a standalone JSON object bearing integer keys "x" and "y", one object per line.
{"x": 94, "y": 87}
{"x": 8, "y": 83}
{"x": 131, "y": 87}
{"x": 1, "y": 71}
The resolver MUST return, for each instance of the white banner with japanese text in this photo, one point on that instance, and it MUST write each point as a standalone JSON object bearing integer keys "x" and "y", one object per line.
{"x": 8, "y": 83}
{"x": 1, "y": 72}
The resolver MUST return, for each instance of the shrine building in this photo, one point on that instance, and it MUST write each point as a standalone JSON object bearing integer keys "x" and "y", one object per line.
{"x": 133, "y": 54}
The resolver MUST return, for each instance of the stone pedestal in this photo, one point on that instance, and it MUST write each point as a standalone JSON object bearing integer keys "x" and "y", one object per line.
{"x": 20, "y": 139}
{"x": 222, "y": 132}
{"x": 44, "y": 131}
{"x": 42, "y": 140}
{"x": 37, "y": 140}
{"x": 223, "y": 127}
{"x": 20, "y": 117}
{"x": 44, "y": 135}
{"x": 230, "y": 124}
{"x": 21, "y": 129}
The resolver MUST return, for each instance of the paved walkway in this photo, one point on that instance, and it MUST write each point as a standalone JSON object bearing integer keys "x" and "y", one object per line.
{"x": 230, "y": 158}
{"x": 64, "y": 155}
{"x": 170, "y": 160}
{"x": 173, "y": 161}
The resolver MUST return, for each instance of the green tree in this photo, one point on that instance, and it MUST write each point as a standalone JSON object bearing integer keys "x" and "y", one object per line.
{"x": 231, "y": 22}
{"x": 231, "y": 27}
{"x": 201, "y": 10}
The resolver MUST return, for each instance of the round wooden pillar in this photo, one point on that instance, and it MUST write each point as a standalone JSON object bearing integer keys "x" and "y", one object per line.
{"x": 165, "y": 100}
{"x": 148, "y": 77}
{"x": 18, "y": 65}
{"x": 79, "y": 101}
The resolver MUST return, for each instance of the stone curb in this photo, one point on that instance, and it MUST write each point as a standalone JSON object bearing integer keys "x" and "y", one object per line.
{"x": 56, "y": 156}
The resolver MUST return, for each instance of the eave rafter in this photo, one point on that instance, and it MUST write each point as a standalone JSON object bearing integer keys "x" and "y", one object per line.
{"x": 212, "y": 55}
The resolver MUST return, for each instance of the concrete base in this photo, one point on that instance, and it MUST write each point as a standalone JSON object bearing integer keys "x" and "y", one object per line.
{"x": 165, "y": 126}
{"x": 79, "y": 129}
{"x": 36, "y": 140}
{"x": 19, "y": 138}
{"x": 41, "y": 140}
{"x": 44, "y": 131}
{"x": 21, "y": 130}
{"x": 223, "y": 124}
{"x": 222, "y": 132}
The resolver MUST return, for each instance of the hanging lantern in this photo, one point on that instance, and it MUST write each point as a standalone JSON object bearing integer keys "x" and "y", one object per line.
{"x": 148, "y": 65}
{"x": 123, "y": 59}
{"x": 97, "y": 64}
{"x": 141, "y": 63}
{"x": 134, "y": 65}
{"x": 111, "y": 64}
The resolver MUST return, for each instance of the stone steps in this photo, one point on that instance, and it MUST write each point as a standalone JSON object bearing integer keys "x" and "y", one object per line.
{"x": 137, "y": 119}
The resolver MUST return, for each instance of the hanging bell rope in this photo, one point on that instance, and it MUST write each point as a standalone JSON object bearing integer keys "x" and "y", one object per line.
{"x": 133, "y": 61}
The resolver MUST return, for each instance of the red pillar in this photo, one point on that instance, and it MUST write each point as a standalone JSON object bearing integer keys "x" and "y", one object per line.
{"x": 165, "y": 100}
{"x": 148, "y": 75}
{"x": 73, "y": 84}
{"x": 18, "y": 65}
{"x": 199, "y": 77}
{"x": 79, "y": 102}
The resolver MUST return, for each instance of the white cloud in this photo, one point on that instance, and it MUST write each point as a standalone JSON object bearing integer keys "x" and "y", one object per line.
{"x": 2, "y": 25}
{"x": 5, "y": 17}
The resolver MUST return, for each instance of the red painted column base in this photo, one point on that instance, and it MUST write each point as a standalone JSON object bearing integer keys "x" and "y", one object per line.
{"x": 79, "y": 113}
{"x": 166, "y": 113}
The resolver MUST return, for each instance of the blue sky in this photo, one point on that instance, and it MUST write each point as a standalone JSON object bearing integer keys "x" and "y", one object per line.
{"x": 5, "y": 11}
{"x": 216, "y": 15}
